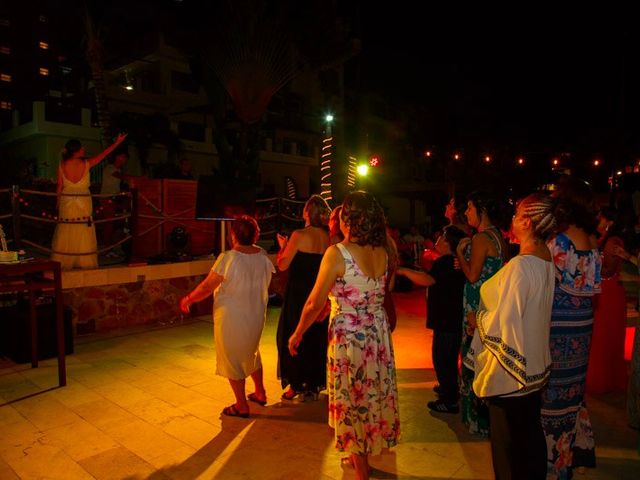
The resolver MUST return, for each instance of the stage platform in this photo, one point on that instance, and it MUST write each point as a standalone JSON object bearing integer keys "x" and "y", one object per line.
{"x": 122, "y": 296}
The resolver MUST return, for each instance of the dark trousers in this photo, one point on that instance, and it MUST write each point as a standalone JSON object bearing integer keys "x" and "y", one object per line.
{"x": 518, "y": 446}
{"x": 444, "y": 352}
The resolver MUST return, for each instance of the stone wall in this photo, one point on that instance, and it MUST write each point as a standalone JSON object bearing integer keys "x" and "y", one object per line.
{"x": 108, "y": 307}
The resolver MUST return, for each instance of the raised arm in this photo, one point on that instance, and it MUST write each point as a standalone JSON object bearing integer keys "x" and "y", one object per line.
{"x": 331, "y": 267}
{"x": 479, "y": 250}
{"x": 101, "y": 156}
{"x": 419, "y": 278}
{"x": 288, "y": 250}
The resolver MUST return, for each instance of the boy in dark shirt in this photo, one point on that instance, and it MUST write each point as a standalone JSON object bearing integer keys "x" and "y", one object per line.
{"x": 444, "y": 316}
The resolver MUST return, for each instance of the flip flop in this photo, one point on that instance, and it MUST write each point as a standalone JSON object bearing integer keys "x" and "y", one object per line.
{"x": 232, "y": 411}
{"x": 252, "y": 397}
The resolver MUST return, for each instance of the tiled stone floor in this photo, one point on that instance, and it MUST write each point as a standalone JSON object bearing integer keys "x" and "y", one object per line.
{"x": 146, "y": 404}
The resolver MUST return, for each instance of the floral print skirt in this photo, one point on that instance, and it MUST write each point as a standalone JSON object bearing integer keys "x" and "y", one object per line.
{"x": 565, "y": 418}
{"x": 361, "y": 383}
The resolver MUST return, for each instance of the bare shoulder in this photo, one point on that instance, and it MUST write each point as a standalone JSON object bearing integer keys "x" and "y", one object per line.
{"x": 581, "y": 239}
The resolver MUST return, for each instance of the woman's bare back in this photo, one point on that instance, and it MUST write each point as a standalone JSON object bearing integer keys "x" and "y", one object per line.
{"x": 73, "y": 169}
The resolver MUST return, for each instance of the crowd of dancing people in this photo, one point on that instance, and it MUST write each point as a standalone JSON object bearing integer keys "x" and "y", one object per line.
{"x": 522, "y": 321}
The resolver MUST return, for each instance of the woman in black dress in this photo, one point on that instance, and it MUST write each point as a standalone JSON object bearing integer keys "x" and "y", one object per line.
{"x": 301, "y": 255}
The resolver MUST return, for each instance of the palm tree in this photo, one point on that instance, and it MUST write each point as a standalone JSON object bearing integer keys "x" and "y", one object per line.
{"x": 95, "y": 59}
{"x": 251, "y": 50}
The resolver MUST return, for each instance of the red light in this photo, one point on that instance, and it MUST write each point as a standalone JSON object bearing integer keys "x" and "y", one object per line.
{"x": 374, "y": 161}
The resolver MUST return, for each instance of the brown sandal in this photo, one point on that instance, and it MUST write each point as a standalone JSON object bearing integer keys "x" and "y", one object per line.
{"x": 232, "y": 411}
{"x": 252, "y": 397}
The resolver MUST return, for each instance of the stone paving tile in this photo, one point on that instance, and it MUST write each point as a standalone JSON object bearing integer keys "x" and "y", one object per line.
{"x": 6, "y": 472}
{"x": 146, "y": 405}
{"x": 79, "y": 440}
{"x": 45, "y": 412}
{"x": 104, "y": 414}
{"x": 190, "y": 430}
{"x": 41, "y": 461}
{"x": 117, "y": 464}
{"x": 145, "y": 440}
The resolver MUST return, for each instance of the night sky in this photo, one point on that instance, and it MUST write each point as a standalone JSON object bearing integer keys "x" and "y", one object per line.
{"x": 543, "y": 80}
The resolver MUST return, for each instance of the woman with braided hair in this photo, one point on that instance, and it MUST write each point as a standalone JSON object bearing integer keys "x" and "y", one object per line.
{"x": 509, "y": 353}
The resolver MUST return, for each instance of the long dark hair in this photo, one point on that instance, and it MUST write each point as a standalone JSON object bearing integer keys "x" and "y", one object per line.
{"x": 575, "y": 205}
{"x": 318, "y": 210}
{"x": 70, "y": 148}
{"x": 488, "y": 202}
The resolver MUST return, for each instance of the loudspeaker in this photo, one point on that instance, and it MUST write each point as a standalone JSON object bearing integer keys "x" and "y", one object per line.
{"x": 15, "y": 334}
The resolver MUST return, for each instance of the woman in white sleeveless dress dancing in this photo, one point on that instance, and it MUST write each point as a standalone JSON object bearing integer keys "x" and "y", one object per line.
{"x": 74, "y": 240}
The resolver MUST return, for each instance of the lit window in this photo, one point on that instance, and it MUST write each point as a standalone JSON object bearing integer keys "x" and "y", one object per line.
{"x": 4, "y": 105}
{"x": 44, "y": 45}
{"x": 44, "y": 71}
{"x": 43, "y": 19}
{"x": 5, "y": 77}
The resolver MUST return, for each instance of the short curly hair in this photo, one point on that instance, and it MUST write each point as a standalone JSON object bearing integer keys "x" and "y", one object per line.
{"x": 365, "y": 218}
{"x": 246, "y": 230}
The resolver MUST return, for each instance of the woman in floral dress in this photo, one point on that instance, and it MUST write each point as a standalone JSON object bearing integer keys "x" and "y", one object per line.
{"x": 480, "y": 258}
{"x": 565, "y": 419}
{"x": 361, "y": 379}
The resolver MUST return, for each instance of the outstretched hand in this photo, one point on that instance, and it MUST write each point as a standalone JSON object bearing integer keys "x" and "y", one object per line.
{"x": 185, "y": 304}
{"x": 294, "y": 342}
{"x": 282, "y": 240}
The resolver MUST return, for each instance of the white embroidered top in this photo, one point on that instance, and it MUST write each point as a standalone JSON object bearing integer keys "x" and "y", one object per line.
{"x": 510, "y": 348}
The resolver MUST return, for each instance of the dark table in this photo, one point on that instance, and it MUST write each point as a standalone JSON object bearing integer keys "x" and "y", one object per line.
{"x": 29, "y": 276}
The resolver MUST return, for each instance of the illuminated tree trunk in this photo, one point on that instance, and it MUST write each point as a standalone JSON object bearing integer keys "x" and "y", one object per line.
{"x": 95, "y": 59}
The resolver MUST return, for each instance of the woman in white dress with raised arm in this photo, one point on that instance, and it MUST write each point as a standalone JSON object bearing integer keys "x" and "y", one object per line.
{"x": 74, "y": 240}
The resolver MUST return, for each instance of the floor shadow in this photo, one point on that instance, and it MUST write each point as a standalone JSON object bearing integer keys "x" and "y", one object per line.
{"x": 263, "y": 446}
{"x": 29, "y": 395}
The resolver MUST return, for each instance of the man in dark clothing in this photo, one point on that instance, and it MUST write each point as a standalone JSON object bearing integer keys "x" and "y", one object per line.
{"x": 444, "y": 316}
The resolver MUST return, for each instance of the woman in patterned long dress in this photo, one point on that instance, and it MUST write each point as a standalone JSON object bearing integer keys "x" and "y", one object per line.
{"x": 74, "y": 239}
{"x": 361, "y": 378}
{"x": 480, "y": 258}
{"x": 565, "y": 419}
